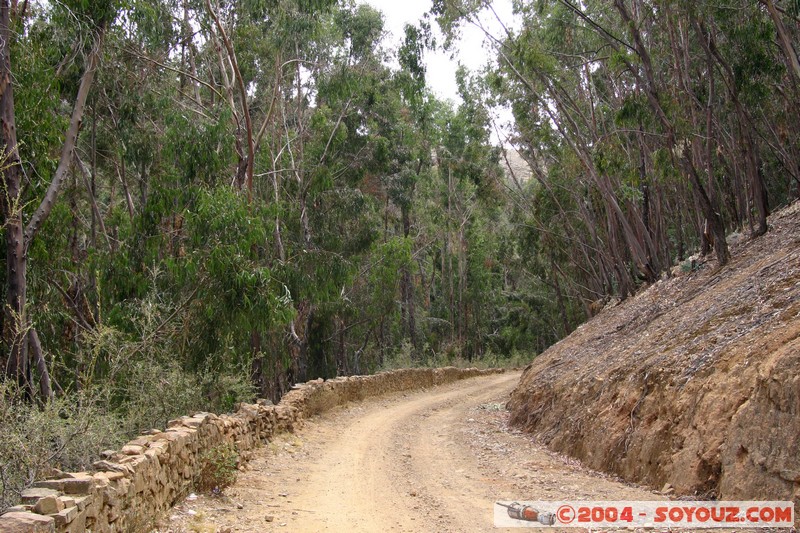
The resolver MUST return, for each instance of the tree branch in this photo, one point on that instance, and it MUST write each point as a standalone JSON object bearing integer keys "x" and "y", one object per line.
{"x": 783, "y": 37}
{"x": 177, "y": 71}
{"x": 275, "y": 92}
{"x": 780, "y": 10}
{"x": 71, "y": 137}
{"x": 243, "y": 94}
{"x": 85, "y": 174}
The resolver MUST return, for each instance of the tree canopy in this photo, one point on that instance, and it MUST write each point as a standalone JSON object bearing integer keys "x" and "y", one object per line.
{"x": 209, "y": 201}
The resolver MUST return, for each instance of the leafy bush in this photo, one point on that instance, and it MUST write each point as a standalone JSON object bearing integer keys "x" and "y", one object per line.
{"x": 66, "y": 434}
{"x": 403, "y": 357}
{"x": 145, "y": 373}
{"x": 218, "y": 469}
{"x": 150, "y": 394}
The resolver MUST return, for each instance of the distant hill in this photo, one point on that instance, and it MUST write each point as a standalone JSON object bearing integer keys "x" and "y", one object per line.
{"x": 694, "y": 382}
{"x": 513, "y": 163}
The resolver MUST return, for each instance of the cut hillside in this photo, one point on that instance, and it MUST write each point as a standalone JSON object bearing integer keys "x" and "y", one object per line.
{"x": 694, "y": 382}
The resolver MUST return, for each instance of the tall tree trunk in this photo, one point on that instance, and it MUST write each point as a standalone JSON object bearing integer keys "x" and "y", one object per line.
{"x": 15, "y": 321}
{"x": 679, "y": 40}
{"x": 19, "y": 238}
{"x": 449, "y": 254}
{"x": 758, "y": 189}
{"x": 462, "y": 283}
{"x": 35, "y": 346}
{"x": 744, "y": 128}
{"x": 257, "y": 377}
{"x": 710, "y": 129}
{"x": 244, "y": 174}
{"x": 641, "y": 252}
{"x": 342, "y": 368}
{"x": 684, "y": 156}
{"x": 408, "y": 311}
{"x": 783, "y": 38}
{"x": 562, "y": 306}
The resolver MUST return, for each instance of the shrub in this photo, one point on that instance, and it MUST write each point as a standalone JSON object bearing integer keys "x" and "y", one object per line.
{"x": 218, "y": 469}
{"x": 66, "y": 434}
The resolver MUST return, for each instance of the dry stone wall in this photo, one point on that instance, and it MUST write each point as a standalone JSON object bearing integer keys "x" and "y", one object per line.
{"x": 131, "y": 488}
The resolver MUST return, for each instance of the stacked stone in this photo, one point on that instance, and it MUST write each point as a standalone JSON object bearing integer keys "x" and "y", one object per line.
{"x": 131, "y": 488}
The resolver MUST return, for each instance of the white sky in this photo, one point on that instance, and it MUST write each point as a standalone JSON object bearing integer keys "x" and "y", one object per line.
{"x": 472, "y": 50}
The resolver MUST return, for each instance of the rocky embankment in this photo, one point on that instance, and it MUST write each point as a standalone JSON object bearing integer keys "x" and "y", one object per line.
{"x": 694, "y": 382}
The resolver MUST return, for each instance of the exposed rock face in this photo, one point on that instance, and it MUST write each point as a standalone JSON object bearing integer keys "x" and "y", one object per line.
{"x": 131, "y": 488}
{"x": 694, "y": 382}
{"x": 515, "y": 167}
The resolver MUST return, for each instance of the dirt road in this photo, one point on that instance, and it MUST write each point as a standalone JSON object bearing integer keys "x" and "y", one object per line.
{"x": 432, "y": 460}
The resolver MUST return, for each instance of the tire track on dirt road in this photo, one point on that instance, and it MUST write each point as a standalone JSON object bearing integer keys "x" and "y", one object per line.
{"x": 429, "y": 460}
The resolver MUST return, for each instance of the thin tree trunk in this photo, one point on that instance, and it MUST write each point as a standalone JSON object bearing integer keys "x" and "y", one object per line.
{"x": 71, "y": 137}
{"x": 783, "y": 38}
{"x": 257, "y": 377}
{"x": 97, "y": 217}
{"x": 686, "y": 164}
{"x": 19, "y": 238}
{"x": 35, "y": 346}
{"x": 241, "y": 165}
{"x": 16, "y": 261}
{"x": 747, "y": 144}
{"x": 448, "y": 249}
{"x": 679, "y": 41}
{"x": 407, "y": 290}
{"x": 248, "y": 177}
{"x": 126, "y": 192}
{"x": 341, "y": 347}
{"x": 462, "y": 282}
{"x": 562, "y": 307}
{"x": 710, "y": 129}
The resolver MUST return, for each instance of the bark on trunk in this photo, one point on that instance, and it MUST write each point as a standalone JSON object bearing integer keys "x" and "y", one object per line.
{"x": 257, "y": 377}
{"x": 784, "y": 38}
{"x": 685, "y": 162}
{"x": 407, "y": 291}
{"x": 18, "y": 236}
{"x": 16, "y": 366}
{"x": 35, "y": 346}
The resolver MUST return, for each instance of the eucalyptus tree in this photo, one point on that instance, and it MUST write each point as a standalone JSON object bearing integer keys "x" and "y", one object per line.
{"x": 664, "y": 121}
{"x": 546, "y": 75}
{"x": 21, "y": 225}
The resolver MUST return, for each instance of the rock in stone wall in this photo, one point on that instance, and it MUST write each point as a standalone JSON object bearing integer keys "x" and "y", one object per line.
{"x": 129, "y": 489}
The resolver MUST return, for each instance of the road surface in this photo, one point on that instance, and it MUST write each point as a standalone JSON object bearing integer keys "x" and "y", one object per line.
{"x": 430, "y": 460}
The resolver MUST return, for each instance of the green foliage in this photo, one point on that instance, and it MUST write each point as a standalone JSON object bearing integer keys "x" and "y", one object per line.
{"x": 67, "y": 434}
{"x": 633, "y": 112}
{"x": 97, "y": 12}
{"x": 187, "y": 145}
{"x": 160, "y": 285}
{"x": 39, "y": 120}
{"x": 380, "y": 229}
{"x": 153, "y": 22}
{"x": 404, "y": 356}
{"x": 384, "y": 277}
{"x": 218, "y": 469}
{"x": 362, "y": 29}
{"x": 149, "y": 370}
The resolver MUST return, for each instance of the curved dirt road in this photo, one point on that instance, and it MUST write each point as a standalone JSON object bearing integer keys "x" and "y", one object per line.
{"x": 432, "y": 460}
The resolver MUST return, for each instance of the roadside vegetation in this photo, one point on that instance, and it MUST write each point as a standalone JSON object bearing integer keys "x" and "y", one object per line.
{"x": 204, "y": 203}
